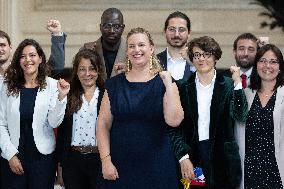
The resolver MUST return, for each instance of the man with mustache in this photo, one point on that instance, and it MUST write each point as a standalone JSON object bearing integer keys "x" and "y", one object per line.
{"x": 174, "y": 57}
{"x": 110, "y": 46}
{"x": 245, "y": 47}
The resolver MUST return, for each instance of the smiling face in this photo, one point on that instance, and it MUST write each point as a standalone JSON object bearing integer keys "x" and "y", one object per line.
{"x": 245, "y": 53}
{"x": 87, "y": 73}
{"x": 139, "y": 50}
{"x": 268, "y": 66}
{"x": 204, "y": 62}
{"x": 30, "y": 60}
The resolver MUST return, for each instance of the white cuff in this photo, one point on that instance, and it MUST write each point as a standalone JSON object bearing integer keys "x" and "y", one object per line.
{"x": 238, "y": 86}
{"x": 184, "y": 157}
{"x": 57, "y": 34}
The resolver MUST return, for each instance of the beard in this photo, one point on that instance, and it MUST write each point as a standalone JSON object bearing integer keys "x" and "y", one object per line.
{"x": 244, "y": 63}
{"x": 177, "y": 42}
{"x": 3, "y": 61}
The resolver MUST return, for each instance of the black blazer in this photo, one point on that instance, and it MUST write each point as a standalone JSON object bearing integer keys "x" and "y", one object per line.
{"x": 162, "y": 56}
{"x": 64, "y": 134}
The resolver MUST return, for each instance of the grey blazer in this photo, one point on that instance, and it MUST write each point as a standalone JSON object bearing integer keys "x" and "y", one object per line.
{"x": 278, "y": 118}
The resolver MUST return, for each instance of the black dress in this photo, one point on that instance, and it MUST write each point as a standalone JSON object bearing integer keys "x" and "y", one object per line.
{"x": 261, "y": 170}
{"x": 140, "y": 147}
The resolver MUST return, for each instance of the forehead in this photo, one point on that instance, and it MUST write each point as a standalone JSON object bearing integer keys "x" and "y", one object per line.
{"x": 137, "y": 38}
{"x": 197, "y": 49}
{"x": 3, "y": 40}
{"x": 112, "y": 18}
{"x": 85, "y": 62}
{"x": 177, "y": 22}
{"x": 246, "y": 43}
{"x": 29, "y": 49}
{"x": 269, "y": 54}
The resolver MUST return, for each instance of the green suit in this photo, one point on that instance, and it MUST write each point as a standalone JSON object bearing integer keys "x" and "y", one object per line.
{"x": 227, "y": 105}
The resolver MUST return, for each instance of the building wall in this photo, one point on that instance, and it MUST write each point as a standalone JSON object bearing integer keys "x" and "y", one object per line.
{"x": 80, "y": 20}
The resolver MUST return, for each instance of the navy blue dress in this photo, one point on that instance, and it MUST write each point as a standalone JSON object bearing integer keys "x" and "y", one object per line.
{"x": 140, "y": 147}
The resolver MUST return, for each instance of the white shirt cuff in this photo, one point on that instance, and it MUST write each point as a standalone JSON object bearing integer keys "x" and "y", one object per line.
{"x": 238, "y": 86}
{"x": 57, "y": 34}
{"x": 184, "y": 157}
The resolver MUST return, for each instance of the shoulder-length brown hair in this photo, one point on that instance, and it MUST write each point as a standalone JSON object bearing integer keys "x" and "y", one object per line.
{"x": 255, "y": 80}
{"x": 76, "y": 90}
{"x": 14, "y": 76}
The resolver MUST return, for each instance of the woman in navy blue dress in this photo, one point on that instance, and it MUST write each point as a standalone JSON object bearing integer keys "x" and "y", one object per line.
{"x": 136, "y": 110}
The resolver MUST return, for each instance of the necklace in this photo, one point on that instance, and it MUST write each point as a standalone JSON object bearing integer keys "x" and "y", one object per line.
{"x": 266, "y": 94}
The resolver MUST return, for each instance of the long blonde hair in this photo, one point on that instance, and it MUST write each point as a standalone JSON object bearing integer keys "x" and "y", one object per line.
{"x": 155, "y": 66}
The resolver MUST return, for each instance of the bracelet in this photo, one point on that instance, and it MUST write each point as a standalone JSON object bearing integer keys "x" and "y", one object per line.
{"x": 105, "y": 157}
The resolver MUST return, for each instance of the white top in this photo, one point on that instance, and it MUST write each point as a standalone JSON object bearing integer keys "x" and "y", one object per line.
{"x": 85, "y": 121}
{"x": 175, "y": 67}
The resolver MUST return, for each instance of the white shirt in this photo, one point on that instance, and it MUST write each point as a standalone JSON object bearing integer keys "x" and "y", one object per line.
{"x": 85, "y": 121}
{"x": 1, "y": 80}
{"x": 204, "y": 97}
{"x": 175, "y": 67}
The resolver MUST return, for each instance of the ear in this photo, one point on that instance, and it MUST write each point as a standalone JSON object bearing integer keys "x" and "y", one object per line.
{"x": 234, "y": 53}
{"x": 152, "y": 48}
{"x": 40, "y": 58}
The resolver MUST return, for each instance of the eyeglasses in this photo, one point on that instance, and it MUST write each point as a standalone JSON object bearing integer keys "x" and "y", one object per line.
{"x": 83, "y": 70}
{"x": 116, "y": 27}
{"x": 205, "y": 55}
{"x": 172, "y": 29}
{"x": 271, "y": 61}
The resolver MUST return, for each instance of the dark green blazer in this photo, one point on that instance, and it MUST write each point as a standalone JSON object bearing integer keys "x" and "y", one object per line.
{"x": 227, "y": 105}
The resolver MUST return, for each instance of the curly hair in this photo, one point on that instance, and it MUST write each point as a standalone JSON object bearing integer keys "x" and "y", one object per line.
{"x": 255, "y": 80}
{"x": 14, "y": 75}
{"x": 207, "y": 44}
{"x": 156, "y": 67}
{"x": 76, "y": 89}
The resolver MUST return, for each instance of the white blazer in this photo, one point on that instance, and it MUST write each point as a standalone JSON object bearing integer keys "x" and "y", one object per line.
{"x": 48, "y": 114}
{"x": 278, "y": 119}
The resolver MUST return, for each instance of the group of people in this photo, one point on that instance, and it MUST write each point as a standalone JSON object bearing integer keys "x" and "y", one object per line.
{"x": 131, "y": 119}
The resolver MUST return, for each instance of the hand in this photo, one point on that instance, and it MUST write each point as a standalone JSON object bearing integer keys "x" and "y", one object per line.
{"x": 235, "y": 70}
{"x": 119, "y": 67}
{"x": 263, "y": 41}
{"x": 184, "y": 54}
{"x": 63, "y": 88}
{"x": 109, "y": 170}
{"x": 186, "y": 168}
{"x": 54, "y": 27}
{"x": 16, "y": 166}
{"x": 166, "y": 77}
{"x": 59, "y": 178}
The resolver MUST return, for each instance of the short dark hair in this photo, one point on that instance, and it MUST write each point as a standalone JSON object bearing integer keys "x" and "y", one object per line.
{"x": 5, "y": 35}
{"x": 248, "y": 36}
{"x": 255, "y": 80}
{"x": 205, "y": 43}
{"x": 110, "y": 11}
{"x": 177, "y": 14}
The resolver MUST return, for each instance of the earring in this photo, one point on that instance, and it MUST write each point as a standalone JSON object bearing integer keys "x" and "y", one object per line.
{"x": 151, "y": 63}
{"x": 128, "y": 65}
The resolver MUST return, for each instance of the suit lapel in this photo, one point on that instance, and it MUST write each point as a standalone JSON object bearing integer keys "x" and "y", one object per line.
{"x": 99, "y": 50}
{"x": 278, "y": 108}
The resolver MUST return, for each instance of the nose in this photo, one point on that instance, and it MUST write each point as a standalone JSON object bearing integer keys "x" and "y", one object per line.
{"x": 111, "y": 29}
{"x": 176, "y": 32}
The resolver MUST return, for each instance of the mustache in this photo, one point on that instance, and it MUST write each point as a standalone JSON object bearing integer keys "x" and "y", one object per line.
{"x": 173, "y": 38}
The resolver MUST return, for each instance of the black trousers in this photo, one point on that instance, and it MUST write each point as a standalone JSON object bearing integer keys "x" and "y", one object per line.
{"x": 39, "y": 174}
{"x": 82, "y": 171}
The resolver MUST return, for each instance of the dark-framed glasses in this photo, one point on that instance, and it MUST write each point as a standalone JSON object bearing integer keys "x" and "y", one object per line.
{"x": 266, "y": 61}
{"x": 172, "y": 29}
{"x": 197, "y": 55}
{"x": 116, "y": 27}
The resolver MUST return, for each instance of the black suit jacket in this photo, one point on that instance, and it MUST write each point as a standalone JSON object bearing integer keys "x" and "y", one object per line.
{"x": 64, "y": 134}
{"x": 162, "y": 56}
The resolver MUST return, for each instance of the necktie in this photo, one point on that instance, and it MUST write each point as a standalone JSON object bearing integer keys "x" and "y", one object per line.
{"x": 244, "y": 80}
